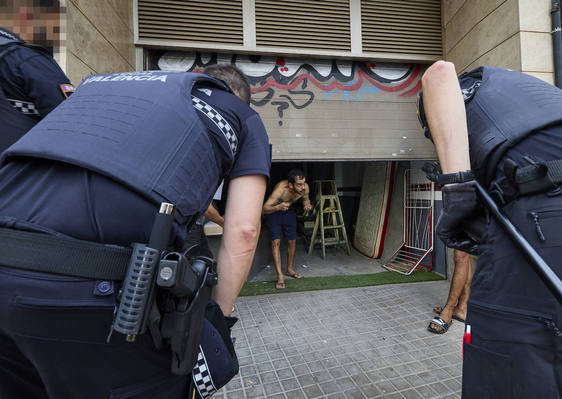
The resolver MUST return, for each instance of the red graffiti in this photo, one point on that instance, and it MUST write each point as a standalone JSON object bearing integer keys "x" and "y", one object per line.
{"x": 413, "y": 91}
{"x": 361, "y": 75}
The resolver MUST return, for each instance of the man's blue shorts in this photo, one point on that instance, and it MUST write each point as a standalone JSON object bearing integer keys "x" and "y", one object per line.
{"x": 285, "y": 221}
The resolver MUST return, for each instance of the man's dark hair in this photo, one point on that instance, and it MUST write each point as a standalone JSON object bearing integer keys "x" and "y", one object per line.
{"x": 295, "y": 173}
{"x": 233, "y": 77}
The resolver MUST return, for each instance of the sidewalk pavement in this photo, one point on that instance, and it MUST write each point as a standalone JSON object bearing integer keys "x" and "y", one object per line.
{"x": 369, "y": 342}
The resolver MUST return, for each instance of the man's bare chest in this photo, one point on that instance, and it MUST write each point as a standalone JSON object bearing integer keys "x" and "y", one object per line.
{"x": 288, "y": 196}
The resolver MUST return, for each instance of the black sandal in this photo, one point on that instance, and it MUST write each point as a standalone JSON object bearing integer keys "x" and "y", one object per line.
{"x": 439, "y": 321}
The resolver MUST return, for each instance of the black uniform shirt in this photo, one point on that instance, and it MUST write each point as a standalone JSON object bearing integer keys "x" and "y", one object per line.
{"x": 32, "y": 75}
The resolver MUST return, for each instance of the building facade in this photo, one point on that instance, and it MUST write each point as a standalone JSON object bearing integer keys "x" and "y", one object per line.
{"x": 335, "y": 81}
{"x": 332, "y": 79}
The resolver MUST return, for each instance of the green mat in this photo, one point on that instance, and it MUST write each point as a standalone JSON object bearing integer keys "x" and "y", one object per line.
{"x": 331, "y": 282}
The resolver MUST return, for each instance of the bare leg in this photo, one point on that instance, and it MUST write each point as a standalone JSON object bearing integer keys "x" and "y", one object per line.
{"x": 460, "y": 309}
{"x": 458, "y": 286}
{"x": 277, "y": 260}
{"x": 291, "y": 249}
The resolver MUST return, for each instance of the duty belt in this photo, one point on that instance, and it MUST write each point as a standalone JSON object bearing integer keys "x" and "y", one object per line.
{"x": 45, "y": 253}
{"x": 520, "y": 181}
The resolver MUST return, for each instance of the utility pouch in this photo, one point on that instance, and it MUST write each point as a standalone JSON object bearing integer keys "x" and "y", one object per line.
{"x": 536, "y": 177}
{"x": 189, "y": 284}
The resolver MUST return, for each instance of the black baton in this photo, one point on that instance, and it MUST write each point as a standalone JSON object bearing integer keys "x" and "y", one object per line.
{"x": 541, "y": 267}
{"x": 137, "y": 309}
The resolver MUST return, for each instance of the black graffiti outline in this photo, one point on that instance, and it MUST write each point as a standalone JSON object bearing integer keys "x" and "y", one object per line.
{"x": 282, "y": 106}
{"x": 306, "y": 104}
{"x": 265, "y": 100}
{"x": 155, "y": 55}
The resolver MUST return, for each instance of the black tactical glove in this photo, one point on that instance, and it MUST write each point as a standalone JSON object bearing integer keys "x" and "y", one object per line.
{"x": 461, "y": 207}
{"x": 432, "y": 170}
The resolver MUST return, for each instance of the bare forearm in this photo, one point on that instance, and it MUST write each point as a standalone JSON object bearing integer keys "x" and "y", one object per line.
{"x": 214, "y": 216}
{"x": 241, "y": 232}
{"x": 268, "y": 208}
{"x": 234, "y": 261}
{"x": 445, "y": 112}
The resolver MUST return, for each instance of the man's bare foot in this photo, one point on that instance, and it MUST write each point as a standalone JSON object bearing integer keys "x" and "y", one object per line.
{"x": 280, "y": 285}
{"x": 293, "y": 274}
{"x": 459, "y": 313}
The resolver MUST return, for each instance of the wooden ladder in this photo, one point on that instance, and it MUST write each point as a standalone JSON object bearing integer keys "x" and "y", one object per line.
{"x": 329, "y": 218}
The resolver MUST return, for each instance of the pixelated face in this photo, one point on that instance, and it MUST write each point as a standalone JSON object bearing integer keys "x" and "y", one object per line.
{"x": 299, "y": 185}
{"x": 35, "y": 21}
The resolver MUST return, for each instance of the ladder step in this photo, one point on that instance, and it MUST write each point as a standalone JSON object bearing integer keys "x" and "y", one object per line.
{"x": 330, "y": 240}
{"x": 339, "y": 226}
{"x": 334, "y": 241}
{"x": 331, "y": 211}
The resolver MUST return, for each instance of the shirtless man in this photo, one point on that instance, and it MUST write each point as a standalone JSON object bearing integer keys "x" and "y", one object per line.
{"x": 281, "y": 216}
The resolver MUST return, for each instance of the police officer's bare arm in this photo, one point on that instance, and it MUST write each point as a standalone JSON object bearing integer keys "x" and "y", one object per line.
{"x": 445, "y": 113}
{"x": 241, "y": 231}
{"x": 275, "y": 201}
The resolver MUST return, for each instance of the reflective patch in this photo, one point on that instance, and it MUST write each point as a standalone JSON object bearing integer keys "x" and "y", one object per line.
{"x": 202, "y": 376}
{"x": 206, "y": 91}
{"x": 469, "y": 92}
{"x": 25, "y": 107}
{"x": 218, "y": 120}
{"x": 67, "y": 89}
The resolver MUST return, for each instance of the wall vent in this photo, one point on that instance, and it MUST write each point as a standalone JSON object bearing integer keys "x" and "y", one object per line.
{"x": 303, "y": 24}
{"x": 402, "y": 26}
{"x": 205, "y": 21}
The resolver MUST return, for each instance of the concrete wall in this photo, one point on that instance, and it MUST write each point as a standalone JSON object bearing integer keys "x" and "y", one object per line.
{"x": 536, "y": 40}
{"x": 511, "y": 34}
{"x": 100, "y": 37}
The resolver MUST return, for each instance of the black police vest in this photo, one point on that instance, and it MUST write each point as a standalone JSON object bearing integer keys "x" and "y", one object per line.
{"x": 138, "y": 128}
{"x": 14, "y": 123}
{"x": 502, "y": 108}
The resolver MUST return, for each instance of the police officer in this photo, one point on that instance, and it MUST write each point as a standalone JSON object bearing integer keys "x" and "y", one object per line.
{"x": 31, "y": 85}
{"x": 508, "y": 136}
{"x": 96, "y": 169}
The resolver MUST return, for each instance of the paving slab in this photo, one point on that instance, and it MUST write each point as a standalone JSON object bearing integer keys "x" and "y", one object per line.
{"x": 368, "y": 342}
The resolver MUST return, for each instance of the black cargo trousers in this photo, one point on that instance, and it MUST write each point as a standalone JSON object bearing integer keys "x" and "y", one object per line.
{"x": 53, "y": 332}
{"x": 516, "y": 322}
